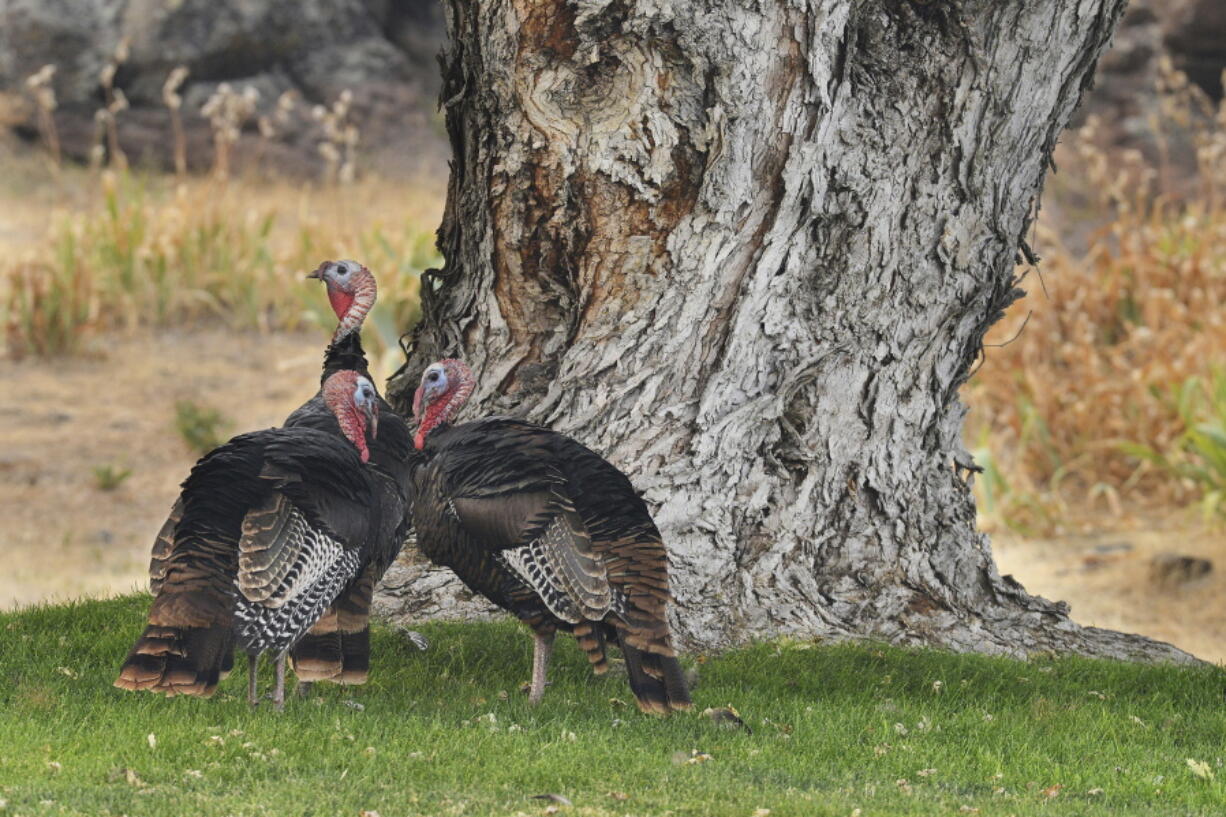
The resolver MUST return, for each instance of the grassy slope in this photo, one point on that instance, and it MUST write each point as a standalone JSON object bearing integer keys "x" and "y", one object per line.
{"x": 826, "y": 737}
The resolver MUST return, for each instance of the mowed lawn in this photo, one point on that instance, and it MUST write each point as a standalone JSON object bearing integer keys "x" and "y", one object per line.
{"x": 832, "y": 730}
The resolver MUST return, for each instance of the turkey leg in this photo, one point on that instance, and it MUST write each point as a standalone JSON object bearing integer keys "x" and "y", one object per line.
{"x": 278, "y": 693}
{"x": 542, "y": 649}
{"x": 252, "y": 677}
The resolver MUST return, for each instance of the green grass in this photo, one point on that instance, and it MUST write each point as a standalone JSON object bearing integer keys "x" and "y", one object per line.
{"x": 202, "y": 427}
{"x": 835, "y": 728}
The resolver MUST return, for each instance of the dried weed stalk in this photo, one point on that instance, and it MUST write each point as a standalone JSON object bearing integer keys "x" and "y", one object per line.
{"x": 116, "y": 102}
{"x": 339, "y": 145}
{"x": 41, "y": 89}
{"x": 227, "y": 112}
{"x": 174, "y": 104}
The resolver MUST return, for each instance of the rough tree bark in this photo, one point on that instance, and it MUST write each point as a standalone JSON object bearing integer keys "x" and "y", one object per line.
{"x": 749, "y": 251}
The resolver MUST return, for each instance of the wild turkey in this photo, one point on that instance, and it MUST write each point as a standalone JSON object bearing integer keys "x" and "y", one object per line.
{"x": 548, "y": 530}
{"x": 270, "y": 528}
{"x": 337, "y": 648}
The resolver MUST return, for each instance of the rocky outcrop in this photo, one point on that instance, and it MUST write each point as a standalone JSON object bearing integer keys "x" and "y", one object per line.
{"x": 381, "y": 51}
{"x": 1195, "y": 33}
{"x": 1192, "y": 33}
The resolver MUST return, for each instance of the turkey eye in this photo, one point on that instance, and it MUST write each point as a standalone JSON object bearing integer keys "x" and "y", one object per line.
{"x": 433, "y": 376}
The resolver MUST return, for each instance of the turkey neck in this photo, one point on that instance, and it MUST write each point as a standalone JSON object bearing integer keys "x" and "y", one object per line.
{"x": 345, "y": 353}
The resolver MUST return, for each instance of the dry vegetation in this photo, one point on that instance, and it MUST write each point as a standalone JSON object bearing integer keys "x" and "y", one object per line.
{"x": 150, "y": 252}
{"x": 1105, "y": 389}
{"x": 123, "y": 249}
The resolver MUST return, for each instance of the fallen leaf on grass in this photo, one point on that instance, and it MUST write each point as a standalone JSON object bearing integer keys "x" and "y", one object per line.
{"x": 1200, "y": 769}
{"x": 619, "y": 795}
{"x": 556, "y": 798}
{"x": 128, "y": 776}
{"x": 693, "y": 757}
{"x": 1052, "y": 791}
{"x": 152, "y": 740}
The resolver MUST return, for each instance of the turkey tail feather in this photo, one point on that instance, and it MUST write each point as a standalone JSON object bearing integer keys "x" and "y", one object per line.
{"x": 656, "y": 680}
{"x": 591, "y": 640}
{"x": 337, "y": 648}
{"x": 355, "y": 656}
{"x": 317, "y": 657}
{"x": 178, "y": 660}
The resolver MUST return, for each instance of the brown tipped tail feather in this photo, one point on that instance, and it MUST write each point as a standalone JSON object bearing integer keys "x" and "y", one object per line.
{"x": 186, "y": 649}
{"x": 337, "y": 648}
{"x": 656, "y": 680}
{"x": 329, "y": 654}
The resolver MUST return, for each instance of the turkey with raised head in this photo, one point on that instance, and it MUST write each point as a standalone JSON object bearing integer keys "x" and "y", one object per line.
{"x": 269, "y": 529}
{"x": 547, "y": 529}
{"x": 337, "y": 649}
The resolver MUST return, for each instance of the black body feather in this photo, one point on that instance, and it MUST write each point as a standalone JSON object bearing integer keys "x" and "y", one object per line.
{"x": 550, "y": 531}
{"x": 268, "y": 529}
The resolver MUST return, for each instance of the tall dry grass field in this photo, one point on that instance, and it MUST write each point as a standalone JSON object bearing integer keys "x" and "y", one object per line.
{"x": 117, "y": 251}
{"x": 1104, "y": 391}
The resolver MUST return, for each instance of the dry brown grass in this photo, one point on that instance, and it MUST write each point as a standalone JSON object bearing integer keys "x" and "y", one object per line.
{"x": 1114, "y": 349}
{"x": 131, "y": 251}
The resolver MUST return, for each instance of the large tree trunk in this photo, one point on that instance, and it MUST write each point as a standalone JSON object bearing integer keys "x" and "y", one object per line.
{"x": 749, "y": 252}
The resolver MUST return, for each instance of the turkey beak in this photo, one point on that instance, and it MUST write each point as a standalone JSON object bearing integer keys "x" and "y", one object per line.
{"x": 318, "y": 272}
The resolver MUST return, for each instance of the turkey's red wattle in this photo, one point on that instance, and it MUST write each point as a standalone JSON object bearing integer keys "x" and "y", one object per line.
{"x": 448, "y": 404}
{"x": 353, "y": 425}
{"x": 434, "y": 416}
{"x": 340, "y": 300}
{"x": 338, "y": 397}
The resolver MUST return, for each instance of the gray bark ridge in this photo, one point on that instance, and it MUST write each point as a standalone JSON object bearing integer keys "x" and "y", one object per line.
{"x": 749, "y": 252}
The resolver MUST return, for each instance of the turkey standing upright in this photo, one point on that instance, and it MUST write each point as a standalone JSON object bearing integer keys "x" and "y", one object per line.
{"x": 548, "y": 530}
{"x": 337, "y": 648}
{"x": 271, "y": 527}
